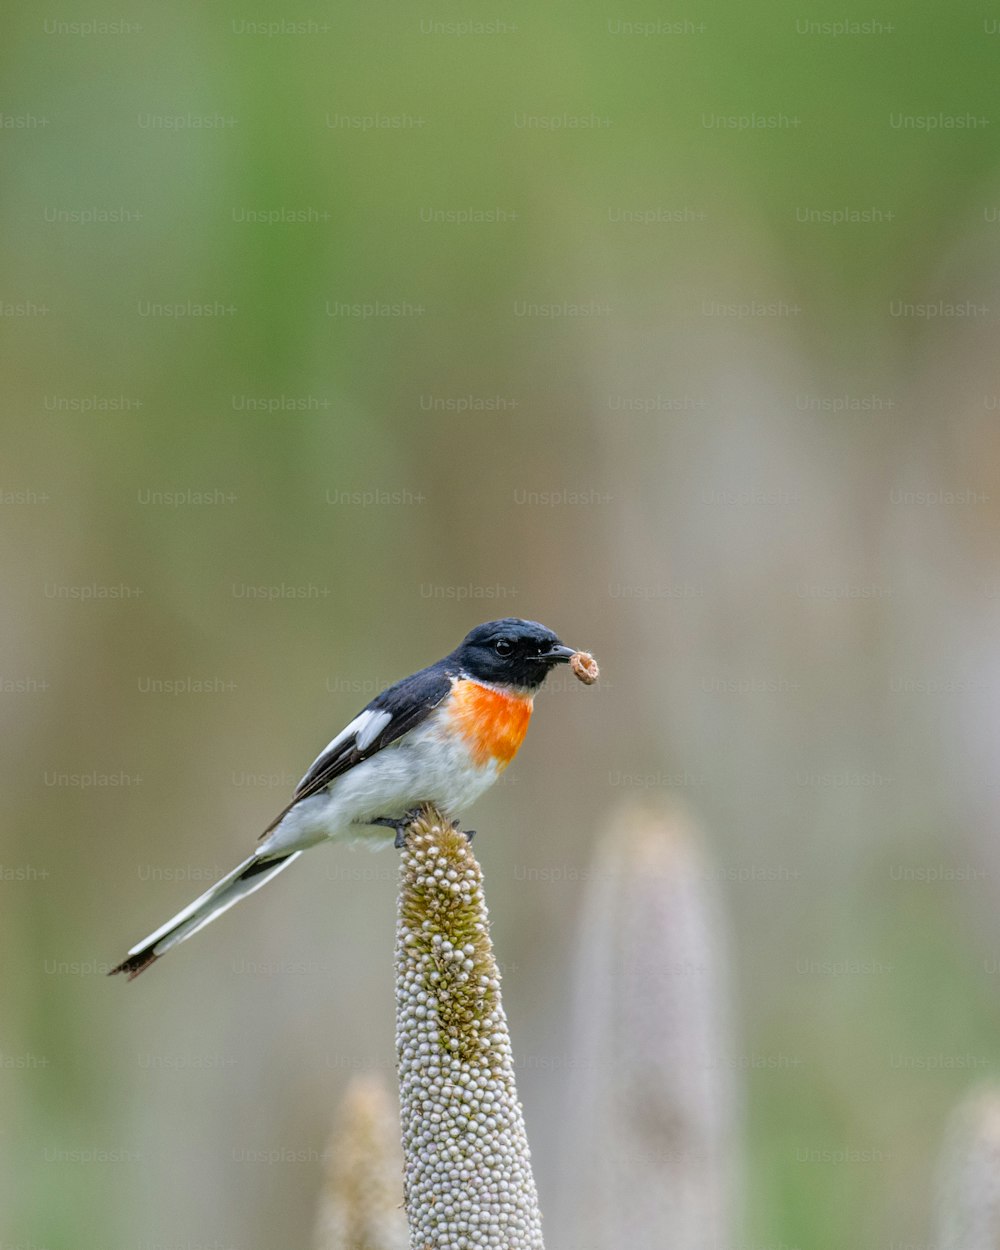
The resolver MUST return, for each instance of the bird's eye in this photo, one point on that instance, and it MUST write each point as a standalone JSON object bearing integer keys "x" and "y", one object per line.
{"x": 503, "y": 647}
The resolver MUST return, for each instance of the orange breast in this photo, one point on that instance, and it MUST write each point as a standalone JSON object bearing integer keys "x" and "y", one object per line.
{"x": 493, "y": 723}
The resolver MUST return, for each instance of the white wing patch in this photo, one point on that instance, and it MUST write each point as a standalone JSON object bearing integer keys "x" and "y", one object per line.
{"x": 365, "y": 728}
{"x": 375, "y": 722}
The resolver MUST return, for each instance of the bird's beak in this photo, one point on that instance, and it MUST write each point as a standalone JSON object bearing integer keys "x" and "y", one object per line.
{"x": 558, "y": 652}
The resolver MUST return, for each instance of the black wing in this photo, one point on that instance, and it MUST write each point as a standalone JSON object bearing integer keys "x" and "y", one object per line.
{"x": 390, "y": 714}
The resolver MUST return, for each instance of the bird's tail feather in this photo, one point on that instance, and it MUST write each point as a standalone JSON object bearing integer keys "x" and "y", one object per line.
{"x": 243, "y": 880}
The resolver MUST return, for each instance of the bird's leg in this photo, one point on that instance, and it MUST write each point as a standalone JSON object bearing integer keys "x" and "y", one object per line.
{"x": 399, "y": 823}
{"x": 390, "y": 822}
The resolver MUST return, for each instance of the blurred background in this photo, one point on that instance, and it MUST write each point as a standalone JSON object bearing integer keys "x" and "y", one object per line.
{"x": 331, "y": 332}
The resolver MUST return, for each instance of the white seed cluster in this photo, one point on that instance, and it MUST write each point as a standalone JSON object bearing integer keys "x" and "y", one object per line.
{"x": 467, "y": 1173}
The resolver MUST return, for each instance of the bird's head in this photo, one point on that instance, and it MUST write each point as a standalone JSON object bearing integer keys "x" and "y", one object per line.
{"x": 511, "y": 652}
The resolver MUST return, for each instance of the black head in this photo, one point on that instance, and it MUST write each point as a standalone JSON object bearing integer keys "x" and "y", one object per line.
{"x": 511, "y": 652}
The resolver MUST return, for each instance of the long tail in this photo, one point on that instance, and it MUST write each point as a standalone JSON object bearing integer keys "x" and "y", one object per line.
{"x": 249, "y": 876}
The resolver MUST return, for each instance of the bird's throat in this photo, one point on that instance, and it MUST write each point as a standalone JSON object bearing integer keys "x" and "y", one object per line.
{"x": 492, "y": 721}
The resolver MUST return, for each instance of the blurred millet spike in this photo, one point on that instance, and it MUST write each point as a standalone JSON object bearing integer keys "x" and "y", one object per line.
{"x": 362, "y": 1204}
{"x": 650, "y": 1148}
{"x": 968, "y": 1199}
{"x": 467, "y": 1169}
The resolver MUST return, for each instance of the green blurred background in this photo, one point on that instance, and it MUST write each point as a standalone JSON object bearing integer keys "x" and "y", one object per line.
{"x": 685, "y": 344}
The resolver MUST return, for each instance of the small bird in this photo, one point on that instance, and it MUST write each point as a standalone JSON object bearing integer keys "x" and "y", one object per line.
{"x": 441, "y": 736}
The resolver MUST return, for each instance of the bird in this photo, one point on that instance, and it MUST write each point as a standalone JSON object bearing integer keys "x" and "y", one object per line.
{"x": 441, "y": 736}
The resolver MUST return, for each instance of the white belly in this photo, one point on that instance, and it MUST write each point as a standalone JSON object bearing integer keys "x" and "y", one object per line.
{"x": 423, "y": 767}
